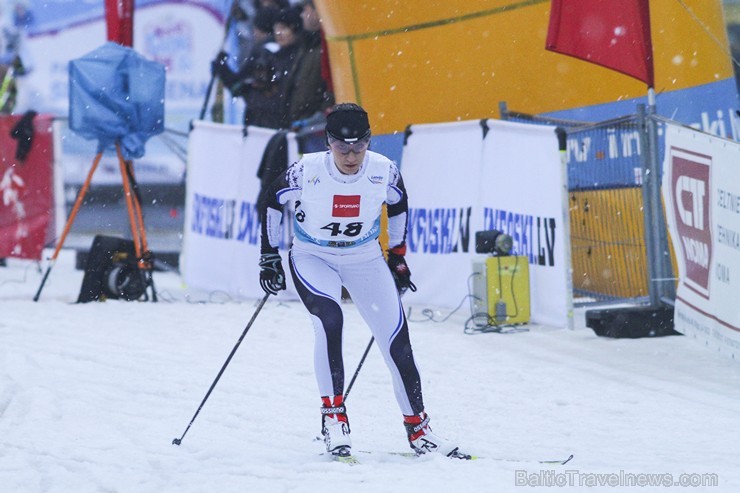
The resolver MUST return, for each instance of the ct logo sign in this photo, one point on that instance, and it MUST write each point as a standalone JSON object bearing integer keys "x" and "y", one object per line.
{"x": 695, "y": 190}
{"x": 690, "y": 186}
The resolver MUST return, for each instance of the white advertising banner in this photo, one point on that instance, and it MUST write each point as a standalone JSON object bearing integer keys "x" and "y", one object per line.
{"x": 472, "y": 176}
{"x": 221, "y": 244}
{"x": 701, "y": 190}
{"x": 521, "y": 194}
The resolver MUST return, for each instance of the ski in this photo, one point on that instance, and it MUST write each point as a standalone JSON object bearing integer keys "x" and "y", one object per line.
{"x": 557, "y": 461}
{"x": 346, "y": 459}
{"x": 459, "y": 455}
{"x": 344, "y": 455}
{"x": 456, "y": 454}
{"x": 413, "y": 455}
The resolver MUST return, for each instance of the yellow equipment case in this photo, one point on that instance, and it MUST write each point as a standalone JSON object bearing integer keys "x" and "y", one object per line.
{"x": 507, "y": 283}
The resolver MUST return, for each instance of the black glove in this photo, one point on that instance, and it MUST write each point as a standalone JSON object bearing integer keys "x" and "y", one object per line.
{"x": 399, "y": 269}
{"x": 272, "y": 275}
{"x": 218, "y": 65}
{"x": 23, "y": 132}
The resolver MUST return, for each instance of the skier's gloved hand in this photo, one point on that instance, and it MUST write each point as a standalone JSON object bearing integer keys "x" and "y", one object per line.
{"x": 218, "y": 65}
{"x": 399, "y": 269}
{"x": 272, "y": 275}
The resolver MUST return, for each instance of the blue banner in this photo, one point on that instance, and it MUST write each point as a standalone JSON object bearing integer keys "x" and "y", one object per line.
{"x": 611, "y": 157}
{"x": 49, "y": 16}
{"x": 709, "y": 108}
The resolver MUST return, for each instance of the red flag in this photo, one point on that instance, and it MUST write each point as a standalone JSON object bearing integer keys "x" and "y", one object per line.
{"x": 612, "y": 33}
{"x": 119, "y": 19}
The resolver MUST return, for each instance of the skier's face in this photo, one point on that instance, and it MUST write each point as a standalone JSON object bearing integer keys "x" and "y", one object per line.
{"x": 349, "y": 157}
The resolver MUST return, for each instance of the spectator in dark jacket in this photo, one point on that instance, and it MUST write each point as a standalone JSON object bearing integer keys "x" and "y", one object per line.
{"x": 281, "y": 83}
{"x": 298, "y": 71}
{"x": 255, "y": 81}
{"x": 315, "y": 37}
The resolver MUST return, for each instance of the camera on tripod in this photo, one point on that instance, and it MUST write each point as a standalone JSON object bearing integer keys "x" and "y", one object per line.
{"x": 493, "y": 242}
{"x": 123, "y": 279}
{"x": 117, "y": 97}
{"x": 112, "y": 272}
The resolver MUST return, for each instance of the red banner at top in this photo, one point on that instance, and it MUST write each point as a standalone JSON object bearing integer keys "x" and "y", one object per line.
{"x": 612, "y": 33}
{"x": 119, "y": 20}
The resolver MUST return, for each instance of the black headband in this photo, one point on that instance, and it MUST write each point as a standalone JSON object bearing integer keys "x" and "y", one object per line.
{"x": 348, "y": 125}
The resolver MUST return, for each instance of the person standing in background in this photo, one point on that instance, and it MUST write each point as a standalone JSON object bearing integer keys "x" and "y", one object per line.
{"x": 312, "y": 26}
{"x": 285, "y": 76}
{"x": 15, "y": 60}
{"x": 256, "y": 81}
{"x": 298, "y": 71}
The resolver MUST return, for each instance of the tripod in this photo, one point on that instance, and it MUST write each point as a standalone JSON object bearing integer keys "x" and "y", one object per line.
{"x": 144, "y": 257}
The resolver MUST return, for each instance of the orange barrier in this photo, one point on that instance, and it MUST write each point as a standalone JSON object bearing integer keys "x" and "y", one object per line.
{"x": 425, "y": 62}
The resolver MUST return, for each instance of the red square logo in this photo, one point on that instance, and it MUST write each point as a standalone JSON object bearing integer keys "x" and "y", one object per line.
{"x": 346, "y": 206}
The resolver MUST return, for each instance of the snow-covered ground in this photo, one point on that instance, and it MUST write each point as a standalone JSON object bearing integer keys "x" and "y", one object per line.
{"x": 92, "y": 395}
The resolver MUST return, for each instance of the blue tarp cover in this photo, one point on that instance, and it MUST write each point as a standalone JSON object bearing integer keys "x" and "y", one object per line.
{"x": 115, "y": 94}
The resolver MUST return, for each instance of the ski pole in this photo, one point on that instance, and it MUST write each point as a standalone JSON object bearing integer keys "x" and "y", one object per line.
{"x": 227, "y": 28}
{"x": 357, "y": 371}
{"x": 178, "y": 441}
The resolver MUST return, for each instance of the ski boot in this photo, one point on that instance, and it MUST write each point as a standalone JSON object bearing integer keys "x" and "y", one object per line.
{"x": 422, "y": 440}
{"x": 335, "y": 426}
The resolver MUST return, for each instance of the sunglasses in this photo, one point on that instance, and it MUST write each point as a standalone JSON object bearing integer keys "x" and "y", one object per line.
{"x": 345, "y": 148}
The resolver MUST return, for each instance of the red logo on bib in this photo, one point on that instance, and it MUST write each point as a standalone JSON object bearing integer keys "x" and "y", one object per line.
{"x": 346, "y": 206}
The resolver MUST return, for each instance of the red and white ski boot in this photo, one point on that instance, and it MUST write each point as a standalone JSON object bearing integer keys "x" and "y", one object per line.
{"x": 335, "y": 426}
{"x": 422, "y": 440}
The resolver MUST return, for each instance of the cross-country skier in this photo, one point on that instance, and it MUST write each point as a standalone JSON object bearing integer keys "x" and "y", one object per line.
{"x": 338, "y": 197}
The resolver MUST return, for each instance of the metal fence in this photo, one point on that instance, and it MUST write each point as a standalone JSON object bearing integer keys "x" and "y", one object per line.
{"x": 605, "y": 163}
